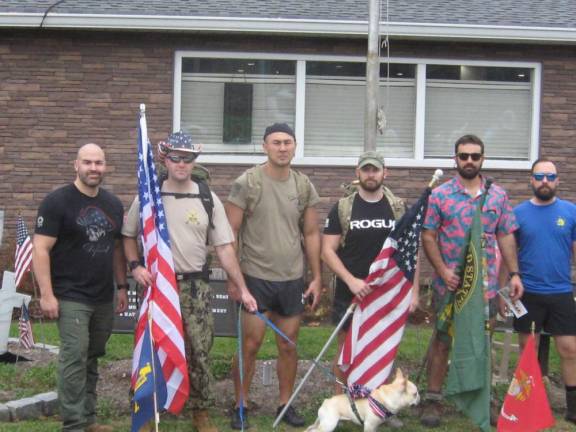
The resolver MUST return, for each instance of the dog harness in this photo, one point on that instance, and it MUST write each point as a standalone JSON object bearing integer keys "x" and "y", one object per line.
{"x": 356, "y": 391}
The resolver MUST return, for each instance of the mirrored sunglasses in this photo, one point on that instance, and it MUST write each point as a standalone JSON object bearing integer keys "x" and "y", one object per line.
{"x": 178, "y": 158}
{"x": 549, "y": 176}
{"x": 465, "y": 156}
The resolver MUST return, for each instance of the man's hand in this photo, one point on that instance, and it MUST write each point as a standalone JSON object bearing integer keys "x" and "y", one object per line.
{"x": 450, "y": 278}
{"x": 121, "y": 301}
{"x": 248, "y": 301}
{"x": 359, "y": 288}
{"x": 315, "y": 290}
{"x": 142, "y": 276}
{"x": 516, "y": 287}
{"x": 49, "y": 306}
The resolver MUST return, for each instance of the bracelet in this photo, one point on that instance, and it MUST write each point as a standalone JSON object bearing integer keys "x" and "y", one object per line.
{"x": 512, "y": 274}
{"x": 133, "y": 265}
{"x": 122, "y": 286}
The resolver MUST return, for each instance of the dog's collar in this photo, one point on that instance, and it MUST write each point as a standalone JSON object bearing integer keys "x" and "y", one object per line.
{"x": 379, "y": 409}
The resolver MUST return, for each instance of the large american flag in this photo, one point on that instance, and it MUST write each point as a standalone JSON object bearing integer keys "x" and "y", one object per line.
{"x": 378, "y": 321}
{"x": 25, "y": 328}
{"x": 161, "y": 299}
{"x": 23, "y": 256}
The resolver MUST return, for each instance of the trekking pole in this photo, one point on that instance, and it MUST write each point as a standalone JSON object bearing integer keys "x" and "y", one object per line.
{"x": 349, "y": 312}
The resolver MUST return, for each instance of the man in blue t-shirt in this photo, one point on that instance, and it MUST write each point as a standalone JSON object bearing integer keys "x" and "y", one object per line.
{"x": 547, "y": 243}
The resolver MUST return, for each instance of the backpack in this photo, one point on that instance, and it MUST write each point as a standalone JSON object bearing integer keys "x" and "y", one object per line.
{"x": 254, "y": 178}
{"x": 345, "y": 207}
{"x": 201, "y": 176}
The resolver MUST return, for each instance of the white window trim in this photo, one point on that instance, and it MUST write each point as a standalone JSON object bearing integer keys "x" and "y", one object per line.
{"x": 420, "y": 81}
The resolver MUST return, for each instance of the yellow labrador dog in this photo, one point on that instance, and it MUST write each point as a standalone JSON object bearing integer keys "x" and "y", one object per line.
{"x": 395, "y": 396}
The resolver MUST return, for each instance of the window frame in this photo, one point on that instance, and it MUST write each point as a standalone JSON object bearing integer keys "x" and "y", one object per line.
{"x": 417, "y": 161}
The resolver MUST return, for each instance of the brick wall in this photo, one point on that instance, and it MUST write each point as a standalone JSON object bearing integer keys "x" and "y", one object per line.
{"x": 61, "y": 89}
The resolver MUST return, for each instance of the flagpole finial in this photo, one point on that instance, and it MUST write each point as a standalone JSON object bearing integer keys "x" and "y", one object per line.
{"x": 533, "y": 328}
{"x": 435, "y": 177}
{"x": 142, "y": 108}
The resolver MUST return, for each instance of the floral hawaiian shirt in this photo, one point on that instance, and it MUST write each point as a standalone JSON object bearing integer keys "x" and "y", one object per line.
{"x": 450, "y": 212}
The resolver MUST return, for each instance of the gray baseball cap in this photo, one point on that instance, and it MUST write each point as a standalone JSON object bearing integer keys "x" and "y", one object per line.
{"x": 371, "y": 158}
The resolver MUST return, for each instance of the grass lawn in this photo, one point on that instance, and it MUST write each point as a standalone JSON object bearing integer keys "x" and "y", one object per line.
{"x": 311, "y": 340}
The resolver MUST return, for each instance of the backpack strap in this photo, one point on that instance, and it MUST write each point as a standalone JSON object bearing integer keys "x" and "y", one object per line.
{"x": 254, "y": 181}
{"x": 304, "y": 191}
{"x": 398, "y": 205}
{"x": 344, "y": 215}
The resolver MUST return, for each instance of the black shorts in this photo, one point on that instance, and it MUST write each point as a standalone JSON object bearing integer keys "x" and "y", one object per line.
{"x": 342, "y": 299}
{"x": 555, "y": 313}
{"x": 285, "y": 298}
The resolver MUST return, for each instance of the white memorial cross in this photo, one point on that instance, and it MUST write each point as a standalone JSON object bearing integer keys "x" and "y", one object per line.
{"x": 9, "y": 299}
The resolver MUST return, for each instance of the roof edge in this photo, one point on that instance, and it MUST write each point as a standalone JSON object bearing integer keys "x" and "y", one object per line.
{"x": 288, "y": 26}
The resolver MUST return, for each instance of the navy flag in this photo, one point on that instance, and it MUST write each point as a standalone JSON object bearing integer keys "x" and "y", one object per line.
{"x": 144, "y": 389}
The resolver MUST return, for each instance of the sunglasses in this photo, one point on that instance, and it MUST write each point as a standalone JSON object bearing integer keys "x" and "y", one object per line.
{"x": 185, "y": 159}
{"x": 465, "y": 156}
{"x": 540, "y": 176}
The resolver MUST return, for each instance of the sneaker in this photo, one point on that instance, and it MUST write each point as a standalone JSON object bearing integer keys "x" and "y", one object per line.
{"x": 236, "y": 421}
{"x": 431, "y": 413}
{"x": 291, "y": 417}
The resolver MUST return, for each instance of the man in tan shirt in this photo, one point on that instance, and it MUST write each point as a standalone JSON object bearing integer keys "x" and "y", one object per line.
{"x": 271, "y": 210}
{"x": 190, "y": 233}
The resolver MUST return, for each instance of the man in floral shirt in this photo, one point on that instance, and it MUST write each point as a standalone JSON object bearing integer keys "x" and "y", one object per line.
{"x": 451, "y": 209}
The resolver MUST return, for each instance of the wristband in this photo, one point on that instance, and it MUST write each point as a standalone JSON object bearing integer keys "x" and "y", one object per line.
{"x": 132, "y": 265}
{"x": 512, "y": 274}
{"x": 122, "y": 286}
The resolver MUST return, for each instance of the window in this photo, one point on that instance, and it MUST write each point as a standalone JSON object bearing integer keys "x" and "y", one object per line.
{"x": 491, "y": 102}
{"x": 227, "y": 103}
{"x": 335, "y": 95}
{"x": 226, "y": 100}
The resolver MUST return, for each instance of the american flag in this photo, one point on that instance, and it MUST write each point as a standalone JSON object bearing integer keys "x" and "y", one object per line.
{"x": 23, "y": 256}
{"x": 379, "y": 319}
{"x": 25, "y": 328}
{"x": 161, "y": 299}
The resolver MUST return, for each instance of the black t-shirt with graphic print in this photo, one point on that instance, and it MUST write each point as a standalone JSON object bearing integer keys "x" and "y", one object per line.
{"x": 86, "y": 228}
{"x": 370, "y": 225}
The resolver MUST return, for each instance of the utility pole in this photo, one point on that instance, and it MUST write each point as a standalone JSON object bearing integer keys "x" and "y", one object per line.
{"x": 372, "y": 76}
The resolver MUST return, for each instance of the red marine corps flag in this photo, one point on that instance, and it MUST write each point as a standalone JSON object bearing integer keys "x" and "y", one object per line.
{"x": 526, "y": 407}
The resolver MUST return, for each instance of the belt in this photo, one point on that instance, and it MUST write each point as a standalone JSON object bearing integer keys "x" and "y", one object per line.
{"x": 194, "y": 275}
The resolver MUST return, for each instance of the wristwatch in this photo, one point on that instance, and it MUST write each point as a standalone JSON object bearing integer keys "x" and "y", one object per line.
{"x": 512, "y": 274}
{"x": 132, "y": 265}
{"x": 122, "y": 286}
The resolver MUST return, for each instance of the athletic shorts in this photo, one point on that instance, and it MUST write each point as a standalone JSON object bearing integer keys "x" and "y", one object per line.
{"x": 555, "y": 313}
{"x": 285, "y": 298}
{"x": 342, "y": 299}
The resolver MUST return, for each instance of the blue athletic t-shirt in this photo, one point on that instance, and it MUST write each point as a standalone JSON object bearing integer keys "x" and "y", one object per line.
{"x": 545, "y": 240}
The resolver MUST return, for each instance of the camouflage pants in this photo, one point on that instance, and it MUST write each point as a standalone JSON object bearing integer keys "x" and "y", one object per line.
{"x": 199, "y": 336}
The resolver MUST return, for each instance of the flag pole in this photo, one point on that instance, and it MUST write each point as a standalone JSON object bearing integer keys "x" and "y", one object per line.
{"x": 156, "y": 412}
{"x": 349, "y": 312}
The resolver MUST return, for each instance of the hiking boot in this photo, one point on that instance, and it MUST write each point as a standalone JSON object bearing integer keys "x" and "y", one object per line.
{"x": 431, "y": 413}
{"x": 201, "y": 421}
{"x": 95, "y": 427}
{"x": 571, "y": 407}
{"x": 291, "y": 417}
{"x": 236, "y": 421}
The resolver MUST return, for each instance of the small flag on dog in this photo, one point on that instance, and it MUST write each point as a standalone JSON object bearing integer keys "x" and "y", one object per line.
{"x": 25, "y": 329}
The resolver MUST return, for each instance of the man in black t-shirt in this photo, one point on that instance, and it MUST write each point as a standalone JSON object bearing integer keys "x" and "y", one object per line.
{"x": 77, "y": 253}
{"x": 354, "y": 233}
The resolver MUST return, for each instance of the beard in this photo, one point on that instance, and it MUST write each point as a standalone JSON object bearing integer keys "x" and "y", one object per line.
{"x": 469, "y": 171}
{"x": 544, "y": 192}
{"x": 89, "y": 180}
{"x": 371, "y": 185}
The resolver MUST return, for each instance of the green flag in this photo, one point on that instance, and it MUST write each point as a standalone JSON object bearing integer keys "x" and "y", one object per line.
{"x": 468, "y": 382}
